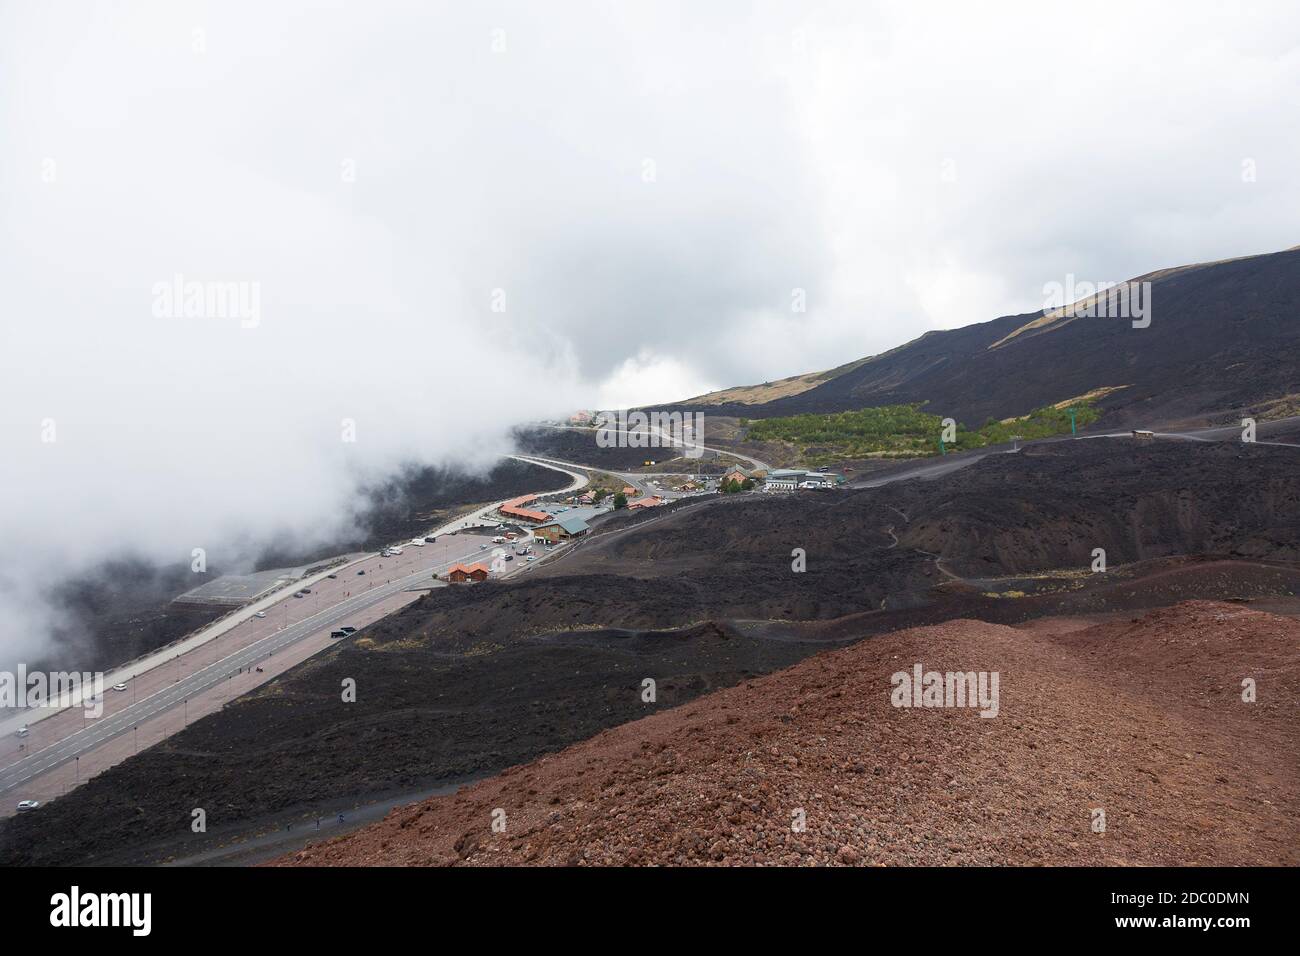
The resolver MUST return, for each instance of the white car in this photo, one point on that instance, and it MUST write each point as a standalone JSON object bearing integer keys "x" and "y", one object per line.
{"x": 28, "y": 805}
{"x": 119, "y": 687}
{"x": 260, "y": 614}
{"x": 394, "y": 551}
{"x": 22, "y": 731}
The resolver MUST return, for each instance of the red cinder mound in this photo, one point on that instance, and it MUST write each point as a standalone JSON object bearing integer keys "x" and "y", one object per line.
{"x": 1142, "y": 721}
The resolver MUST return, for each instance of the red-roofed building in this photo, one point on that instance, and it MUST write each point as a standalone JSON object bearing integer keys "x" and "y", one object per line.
{"x": 460, "y": 573}
{"x": 650, "y": 502}
{"x": 513, "y": 509}
{"x": 734, "y": 475}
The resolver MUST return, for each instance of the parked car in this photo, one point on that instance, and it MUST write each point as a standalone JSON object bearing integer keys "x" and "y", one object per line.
{"x": 24, "y": 805}
{"x": 361, "y": 571}
{"x": 348, "y": 630}
{"x": 331, "y": 575}
{"x": 260, "y": 614}
{"x": 299, "y": 594}
{"x": 510, "y": 557}
{"x": 22, "y": 731}
{"x": 338, "y": 633}
{"x": 306, "y": 590}
{"x": 431, "y": 538}
{"x": 119, "y": 687}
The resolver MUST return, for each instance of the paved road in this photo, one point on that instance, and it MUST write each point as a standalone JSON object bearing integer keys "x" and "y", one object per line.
{"x": 223, "y": 666}
{"x": 107, "y": 727}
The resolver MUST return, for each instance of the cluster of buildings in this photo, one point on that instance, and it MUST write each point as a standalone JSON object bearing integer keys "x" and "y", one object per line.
{"x": 545, "y": 525}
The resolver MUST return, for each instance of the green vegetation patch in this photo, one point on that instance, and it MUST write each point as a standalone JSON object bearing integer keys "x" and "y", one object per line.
{"x": 904, "y": 431}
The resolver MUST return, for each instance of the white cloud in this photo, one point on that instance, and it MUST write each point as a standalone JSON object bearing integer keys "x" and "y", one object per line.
{"x": 379, "y": 171}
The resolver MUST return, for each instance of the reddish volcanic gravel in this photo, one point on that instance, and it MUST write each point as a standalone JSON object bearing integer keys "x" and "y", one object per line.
{"x": 1142, "y": 719}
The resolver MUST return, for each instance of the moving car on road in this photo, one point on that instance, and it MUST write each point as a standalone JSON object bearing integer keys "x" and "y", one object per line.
{"x": 119, "y": 687}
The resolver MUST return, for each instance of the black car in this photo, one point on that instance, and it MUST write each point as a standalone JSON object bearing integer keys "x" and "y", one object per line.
{"x": 338, "y": 633}
{"x": 348, "y": 630}
{"x": 431, "y": 539}
{"x": 306, "y": 590}
{"x": 361, "y": 572}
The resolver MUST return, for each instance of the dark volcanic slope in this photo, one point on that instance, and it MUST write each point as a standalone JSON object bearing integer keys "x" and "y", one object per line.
{"x": 1047, "y": 507}
{"x": 1050, "y": 508}
{"x": 472, "y": 680}
{"x": 1223, "y": 339}
{"x": 1143, "y": 721}
{"x": 423, "y": 714}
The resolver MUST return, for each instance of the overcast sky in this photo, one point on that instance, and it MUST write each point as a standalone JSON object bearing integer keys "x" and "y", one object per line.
{"x": 456, "y": 216}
